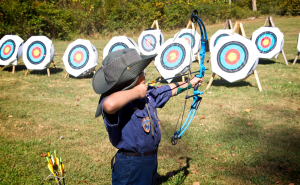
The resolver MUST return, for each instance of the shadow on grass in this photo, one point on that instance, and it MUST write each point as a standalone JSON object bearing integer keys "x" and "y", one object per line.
{"x": 266, "y": 61}
{"x": 184, "y": 169}
{"x": 44, "y": 71}
{"x": 17, "y": 68}
{"x": 269, "y": 152}
{"x": 90, "y": 75}
{"x": 291, "y": 61}
{"x": 222, "y": 82}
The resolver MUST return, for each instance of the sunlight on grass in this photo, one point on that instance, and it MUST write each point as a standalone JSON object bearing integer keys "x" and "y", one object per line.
{"x": 39, "y": 114}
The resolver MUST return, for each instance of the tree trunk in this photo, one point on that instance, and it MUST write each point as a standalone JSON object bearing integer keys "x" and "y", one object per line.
{"x": 254, "y": 5}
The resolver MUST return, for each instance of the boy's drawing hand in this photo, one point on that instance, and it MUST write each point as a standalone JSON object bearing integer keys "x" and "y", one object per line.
{"x": 141, "y": 89}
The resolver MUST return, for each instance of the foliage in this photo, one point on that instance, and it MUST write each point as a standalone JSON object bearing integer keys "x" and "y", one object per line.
{"x": 62, "y": 18}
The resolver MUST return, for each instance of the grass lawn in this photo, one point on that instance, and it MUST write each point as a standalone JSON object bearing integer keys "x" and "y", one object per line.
{"x": 246, "y": 136}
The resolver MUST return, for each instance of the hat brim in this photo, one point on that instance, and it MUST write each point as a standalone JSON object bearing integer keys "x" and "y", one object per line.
{"x": 101, "y": 86}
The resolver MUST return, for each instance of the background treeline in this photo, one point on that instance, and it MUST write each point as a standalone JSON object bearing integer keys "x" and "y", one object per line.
{"x": 62, "y": 19}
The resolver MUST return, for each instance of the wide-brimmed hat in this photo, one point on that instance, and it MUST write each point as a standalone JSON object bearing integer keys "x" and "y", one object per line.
{"x": 120, "y": 71}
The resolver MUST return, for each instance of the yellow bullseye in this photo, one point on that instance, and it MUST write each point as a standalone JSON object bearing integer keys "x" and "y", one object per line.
{"x": 6, "y": 50}
{"x": 232, "y": 56}
{"x": 265, "y": 42}
{"x": 36, "y": 52}
{"x": 78, "y": 57}
{"x": 172, "y": 56}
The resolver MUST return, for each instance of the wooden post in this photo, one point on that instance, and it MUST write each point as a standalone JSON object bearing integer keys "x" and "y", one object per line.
{"x": 155, "y": 22}
{"x": 13, "y": 69}
{"x": 66, "y": 74}
{"x": 257, "y": 80}
{"x": 296, "y": 58}
{"x": 286, "y": 62}
{"x": 228, "y": 24}
{"x": 210, "y": 81}
{"x": 26, "y": 72}
{"x": 48, "y": 71}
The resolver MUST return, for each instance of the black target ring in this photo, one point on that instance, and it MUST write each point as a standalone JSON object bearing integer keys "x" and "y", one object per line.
{"x": 218, "y": 37}
{"x": 259, "y": 40}
{"x": 117, "y": 46}
{"x": 84, "y": 58}
{"x": 233, "y": 45}
{"x": 170, "y": 63}
{"x": 33, "y": 46}
{"x": 4, "y": 45}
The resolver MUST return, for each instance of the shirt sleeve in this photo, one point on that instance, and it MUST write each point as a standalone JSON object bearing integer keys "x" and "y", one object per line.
{"x": 111, "y": 120}
{"x": 161, "y": 95}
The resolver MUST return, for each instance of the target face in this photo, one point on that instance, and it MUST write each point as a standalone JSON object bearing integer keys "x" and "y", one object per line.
{"x": 189, "y": 38}
{"x": 266, "y": 42}
{"x": 149, "y": 42}
{"x": 220, "y": 36}
{"x": 7, "y": 49}
{"x": 36, "y": 52}
{"x": 173, "y": 56}
{"x": 117, "y": 46}
{"x": 232, "y": 57}
{"x": 78, "y": 57}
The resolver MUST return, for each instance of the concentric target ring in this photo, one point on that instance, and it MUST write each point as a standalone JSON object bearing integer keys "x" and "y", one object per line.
{"x": 7, "y": 49}
{"x": 78, "y": 57}
{"x": 189, "y": 38}
{"x": 232, "y": 56}
{"x": 172, "y": 56}
{"x": 148, "y": 42}
{"x": 36, "y": 52}
{"x": 266, "y": 42}
{"x": 220, "y": 36}
{"x": 117, "y": 46}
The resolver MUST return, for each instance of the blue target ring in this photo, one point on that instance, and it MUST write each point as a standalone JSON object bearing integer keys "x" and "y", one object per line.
{"x": 232, "y": 57}
{"x": 148, "y": 42}
{"x": 78, "y": 57}
{"x": 266, "y": 42}
{"x": 118, "y": 46}
{"x": 36, "y": 52}
{"x": 7, "y": 49}
{"x": 220, "y": 36}
{"x": 172, "y": 56}
{"x": 189, "y": 38}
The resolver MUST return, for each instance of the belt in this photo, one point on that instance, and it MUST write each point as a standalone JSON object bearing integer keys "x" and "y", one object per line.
{"x": 132, "y": 154}
{"x": 137, "y": 154}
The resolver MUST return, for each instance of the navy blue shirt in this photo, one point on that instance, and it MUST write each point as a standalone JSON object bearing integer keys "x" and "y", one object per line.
{"x": 130, "y": 127}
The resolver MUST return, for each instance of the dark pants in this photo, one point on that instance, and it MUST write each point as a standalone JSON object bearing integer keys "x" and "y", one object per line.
{"x": 134, "y": 170}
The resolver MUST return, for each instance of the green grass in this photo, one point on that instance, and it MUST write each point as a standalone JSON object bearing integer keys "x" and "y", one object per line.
{"x": 266, "y": 152}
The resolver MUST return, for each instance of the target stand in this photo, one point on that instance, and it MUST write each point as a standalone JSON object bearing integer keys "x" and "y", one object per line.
{"x": 11, "y": 49}
{"x": 235, "y": 57}
{"x": 298, "y": 48}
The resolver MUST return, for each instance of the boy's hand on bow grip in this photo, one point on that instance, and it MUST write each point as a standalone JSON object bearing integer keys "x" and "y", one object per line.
{"x": 195, "y": 80}
{"x": 141, "y": 90}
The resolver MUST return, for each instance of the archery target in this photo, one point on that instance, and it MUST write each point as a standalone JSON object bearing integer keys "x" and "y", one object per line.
{"x": 80, "y": 58}
{"x": 269, "y": 41}
{"x": 38, "y": 52}
{"x": 298, "y": 43}
{"x": 150, "y": 41}
{"x": 10, "y": 49}
{"x": 118, "y": 43}
{"x": 174, "y": 57}
{"x": 219, "y": 34}
{"x": 234, "y": 58}
{"x": 192, "y": 37}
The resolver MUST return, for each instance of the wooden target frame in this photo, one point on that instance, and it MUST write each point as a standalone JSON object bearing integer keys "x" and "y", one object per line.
{"x": 238, "y": 27}
{"x": 298, "y": 48}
